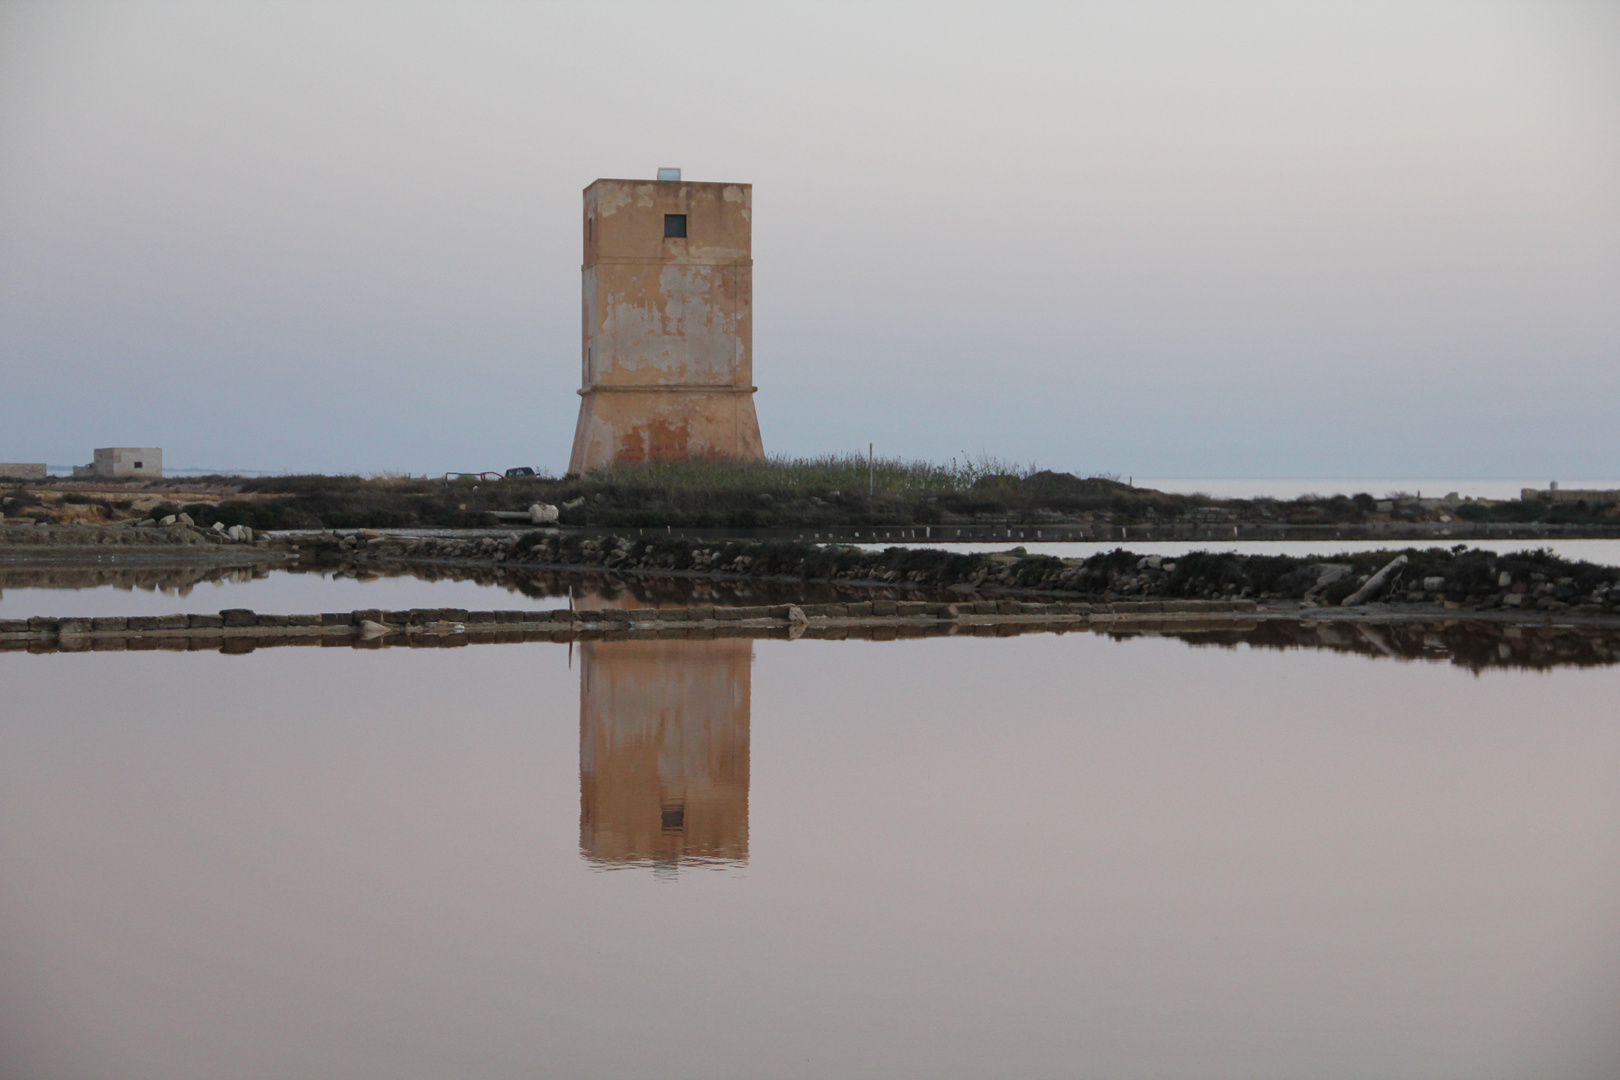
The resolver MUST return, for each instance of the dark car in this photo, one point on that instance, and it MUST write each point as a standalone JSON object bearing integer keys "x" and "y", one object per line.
{"x": 521, "y": 470}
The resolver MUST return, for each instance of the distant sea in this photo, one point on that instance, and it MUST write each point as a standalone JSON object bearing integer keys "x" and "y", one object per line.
{"x": 1221, "y": 488}
{"x": 1430, "y": 488}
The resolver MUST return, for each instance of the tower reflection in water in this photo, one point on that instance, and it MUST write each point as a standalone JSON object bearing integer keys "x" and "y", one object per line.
{"x": 663, "y": 753}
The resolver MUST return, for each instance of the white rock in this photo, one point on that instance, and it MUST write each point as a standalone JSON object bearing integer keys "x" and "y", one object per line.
{"x": 170, "y": 520}
{"x": 1504, "y": 579}
{"x": 184, "y": 518}
{"x": 1327, "y": 574}
{"x": 1434, "y": 584}
{"x": 219, "y": 526}
{"x": 542, "y": 513}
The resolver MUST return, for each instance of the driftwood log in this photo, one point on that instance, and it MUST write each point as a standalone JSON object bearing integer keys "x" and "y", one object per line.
{"x": 1374, "y": 583}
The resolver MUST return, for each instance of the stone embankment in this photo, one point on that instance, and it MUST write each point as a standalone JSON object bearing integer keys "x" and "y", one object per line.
{"x": 1477, "y": 643}
{"x": 176, "y": 531}
{"x": 1456, "y": 577}
{"x": 238, "y": 629}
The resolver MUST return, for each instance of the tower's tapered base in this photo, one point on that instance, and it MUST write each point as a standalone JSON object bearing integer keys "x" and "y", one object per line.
{"x": 664, "y": 424}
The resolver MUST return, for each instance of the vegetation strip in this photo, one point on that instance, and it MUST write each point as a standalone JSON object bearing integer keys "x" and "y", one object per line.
{"x": 831, "y": 492}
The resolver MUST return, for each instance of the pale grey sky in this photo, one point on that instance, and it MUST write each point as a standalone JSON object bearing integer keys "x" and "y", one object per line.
{"x": 1243, "y": 239}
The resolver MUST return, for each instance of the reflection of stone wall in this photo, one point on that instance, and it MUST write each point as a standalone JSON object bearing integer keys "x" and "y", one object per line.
{"x": 663, "y": 750}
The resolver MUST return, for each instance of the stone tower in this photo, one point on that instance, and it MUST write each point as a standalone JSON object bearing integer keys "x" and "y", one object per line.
{"x": 667, "y": 358}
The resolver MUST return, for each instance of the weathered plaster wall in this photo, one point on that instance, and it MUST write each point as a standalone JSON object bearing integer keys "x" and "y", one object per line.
{"x": 667, "y": 337}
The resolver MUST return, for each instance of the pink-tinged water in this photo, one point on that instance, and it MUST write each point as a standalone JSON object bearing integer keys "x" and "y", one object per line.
{"x": 1045, "y": 856}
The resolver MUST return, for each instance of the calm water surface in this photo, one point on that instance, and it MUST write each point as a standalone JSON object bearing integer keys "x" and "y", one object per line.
{"x": 1028, "y": 857}
{"x": 69, "y": 590}
{"x": 208, "y": 589}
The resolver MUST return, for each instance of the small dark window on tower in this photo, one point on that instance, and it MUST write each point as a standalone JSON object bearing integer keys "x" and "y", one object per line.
{"x": 673, "y": 818}
{"x": 674, "y": 225}
{"x": 137, "y": 464}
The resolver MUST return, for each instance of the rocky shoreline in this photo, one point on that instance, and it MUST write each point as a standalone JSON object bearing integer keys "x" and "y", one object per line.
{"x": 1456, "y": 578}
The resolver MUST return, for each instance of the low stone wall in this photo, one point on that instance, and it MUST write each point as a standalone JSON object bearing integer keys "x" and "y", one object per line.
{"x": 127, "y": 534}
{"x": 1487, "y": 640}
{"x": 240, "y": 630}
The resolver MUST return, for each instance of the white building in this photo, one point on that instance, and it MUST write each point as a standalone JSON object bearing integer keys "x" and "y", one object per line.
{"x": 121, "y": 461}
